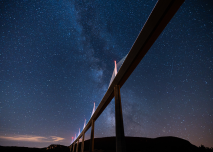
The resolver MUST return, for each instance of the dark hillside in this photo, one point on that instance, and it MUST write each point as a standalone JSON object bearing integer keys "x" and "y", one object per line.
{"x": 165, "y": 144}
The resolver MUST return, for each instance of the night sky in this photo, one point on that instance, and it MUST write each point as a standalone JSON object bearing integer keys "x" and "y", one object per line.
{"x": 57, "y": 59}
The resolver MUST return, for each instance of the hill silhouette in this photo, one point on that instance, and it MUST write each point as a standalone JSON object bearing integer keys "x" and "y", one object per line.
{"x": 137, "y": 144}
{"x": 133, "y": 144}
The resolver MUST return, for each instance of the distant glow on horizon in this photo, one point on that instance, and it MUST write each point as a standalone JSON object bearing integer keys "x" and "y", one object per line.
{"x": 32, "y": 138}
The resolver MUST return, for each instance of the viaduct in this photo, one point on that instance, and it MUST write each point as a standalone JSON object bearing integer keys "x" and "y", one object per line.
{"x": 160, "y": 16}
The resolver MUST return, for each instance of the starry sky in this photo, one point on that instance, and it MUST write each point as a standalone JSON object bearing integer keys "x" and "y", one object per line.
{"x": 57, "y": 59}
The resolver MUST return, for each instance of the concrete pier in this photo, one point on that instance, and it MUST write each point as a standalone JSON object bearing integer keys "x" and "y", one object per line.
{"x": 73, "y": 146}
{"x": 92, "y": 137}
{"x": 82, "y": 143}
{"x": 119, "y": 127}
{"x": 77, "y": 146}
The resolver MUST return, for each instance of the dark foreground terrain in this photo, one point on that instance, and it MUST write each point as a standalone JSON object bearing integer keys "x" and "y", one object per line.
{"x": 133, "y": 144}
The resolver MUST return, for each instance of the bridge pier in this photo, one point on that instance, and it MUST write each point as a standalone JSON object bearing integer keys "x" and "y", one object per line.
{"x": 119, "y": 127}
{"x": 82, "y": 143}
{"x": 73, "y": 147}
{"x": 77, "y": 146}
{"x": 92, "y": 137}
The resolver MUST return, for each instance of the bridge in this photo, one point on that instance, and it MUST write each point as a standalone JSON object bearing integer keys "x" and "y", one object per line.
{"x": 160, "y": 16}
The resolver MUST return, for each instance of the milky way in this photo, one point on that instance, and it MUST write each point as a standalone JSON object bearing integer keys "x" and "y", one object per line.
{"x": 57, "y": 59}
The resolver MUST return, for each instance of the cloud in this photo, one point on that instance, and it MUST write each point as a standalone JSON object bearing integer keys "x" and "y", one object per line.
{"x": 32, "y": 138}
{"x": 57, "y": 138}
